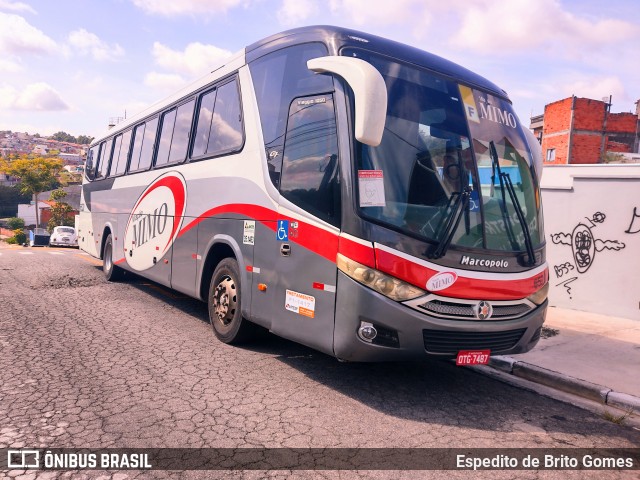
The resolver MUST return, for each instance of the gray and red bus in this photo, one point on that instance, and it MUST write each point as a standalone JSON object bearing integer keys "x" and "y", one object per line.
{"x": 362, "y": 197}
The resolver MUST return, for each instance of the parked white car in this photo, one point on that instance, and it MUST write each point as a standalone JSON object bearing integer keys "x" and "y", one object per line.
{"x": 64, "y": 236}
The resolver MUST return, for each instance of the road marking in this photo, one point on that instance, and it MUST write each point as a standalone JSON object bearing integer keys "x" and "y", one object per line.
{"x": 91, "y": 260}
{"x": 56, "y": 253}
{"x": 25, "y": 253}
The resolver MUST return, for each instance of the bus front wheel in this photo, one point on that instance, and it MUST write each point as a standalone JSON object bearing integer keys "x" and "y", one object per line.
{"x": 224, "y": 301}
{"x": 111, "y": 270}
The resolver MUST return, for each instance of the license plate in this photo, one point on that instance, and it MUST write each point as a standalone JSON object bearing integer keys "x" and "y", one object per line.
{"x": 473, "y": 357}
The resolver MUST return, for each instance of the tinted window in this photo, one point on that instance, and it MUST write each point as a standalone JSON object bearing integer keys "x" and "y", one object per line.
{"x": 226, "y": 124}
{"x": 164, "y": 146}
{"x": 138, "y": 137}
{"x": 105, "y": 157}
{"x": 181, "y": 130}
{"x": 310, "y": 166}
{"x": 174, "y": 137}
{"x": 204, "y": 124}
{"x": 92, "y": 161}
{"x": 219, "y": 128}
{"x": 146, "y": 155}
{"x": 275, "y": 91}
{"x": 120, "y": 154}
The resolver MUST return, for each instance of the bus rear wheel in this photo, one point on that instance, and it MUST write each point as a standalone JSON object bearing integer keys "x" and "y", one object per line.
{"x": 110, "y": 269}
{"x": 225, "y": 308}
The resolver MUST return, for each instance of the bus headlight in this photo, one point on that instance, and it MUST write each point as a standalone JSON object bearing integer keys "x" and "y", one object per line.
{"x": 540, "y": 296}
{"x": 382, "y": 283}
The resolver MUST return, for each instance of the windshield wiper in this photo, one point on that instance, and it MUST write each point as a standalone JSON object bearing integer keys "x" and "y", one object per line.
{"x": 505, "y": 178}
{"x": 449, "y": 222}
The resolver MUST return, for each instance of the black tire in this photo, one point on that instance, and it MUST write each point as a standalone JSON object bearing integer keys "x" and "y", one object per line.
{"x": 225, "y": 307}
{"x": 112, "y": 272}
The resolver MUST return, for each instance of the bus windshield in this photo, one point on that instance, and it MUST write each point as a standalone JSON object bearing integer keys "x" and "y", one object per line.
{"x": 434, "y": 177}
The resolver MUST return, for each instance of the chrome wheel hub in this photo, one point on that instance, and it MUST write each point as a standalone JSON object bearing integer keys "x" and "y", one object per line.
{"x": 224, "y": 300}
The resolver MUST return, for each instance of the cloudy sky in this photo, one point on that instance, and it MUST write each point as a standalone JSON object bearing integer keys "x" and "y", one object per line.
{"x": 71, "y": 65}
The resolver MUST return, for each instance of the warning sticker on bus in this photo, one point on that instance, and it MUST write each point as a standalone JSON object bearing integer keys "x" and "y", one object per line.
{"x": 371, "y": 187}
{"x": 473, "y": 357}
{"x": 300, "y": 303}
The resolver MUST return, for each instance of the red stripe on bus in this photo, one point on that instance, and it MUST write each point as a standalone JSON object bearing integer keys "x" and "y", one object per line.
{"x": 118, "y": 262}
{"x": 464, "y": 287}
{"x": 327, "y": 244}
{"x": 316, "y": 239}
{"x": 357, "y": 252}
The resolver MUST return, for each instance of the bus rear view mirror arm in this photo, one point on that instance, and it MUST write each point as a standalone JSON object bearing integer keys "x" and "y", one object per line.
{"x": 369, "y": 89}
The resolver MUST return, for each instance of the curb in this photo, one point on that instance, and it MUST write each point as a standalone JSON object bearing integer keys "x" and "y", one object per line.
{"x": 565, "y": 383}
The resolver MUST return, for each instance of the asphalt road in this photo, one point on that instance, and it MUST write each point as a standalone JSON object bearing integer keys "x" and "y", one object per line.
{"x": 87, "y": 363}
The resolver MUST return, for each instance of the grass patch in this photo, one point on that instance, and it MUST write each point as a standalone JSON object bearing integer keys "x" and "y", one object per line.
{"x": 617, "y": 419}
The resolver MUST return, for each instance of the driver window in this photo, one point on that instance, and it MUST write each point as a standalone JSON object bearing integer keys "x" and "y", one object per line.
{"x": 310, "y": 163}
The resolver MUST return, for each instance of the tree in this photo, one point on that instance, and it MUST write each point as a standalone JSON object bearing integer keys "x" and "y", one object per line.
{"x": 36, "y": 175}
{"x": 59, "y": 211}
{"x": 85, "y": 139}
{"x": 64, "y": 137}
{"x": 14, "y": 223}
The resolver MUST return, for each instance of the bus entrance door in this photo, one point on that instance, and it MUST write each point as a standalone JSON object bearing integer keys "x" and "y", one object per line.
{"x": 306, "y": 286}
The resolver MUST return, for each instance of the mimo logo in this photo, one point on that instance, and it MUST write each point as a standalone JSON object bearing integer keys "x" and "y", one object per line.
{"x": 155, "y": 221}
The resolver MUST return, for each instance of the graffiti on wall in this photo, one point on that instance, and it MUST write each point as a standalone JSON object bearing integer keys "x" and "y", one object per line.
{"x": 584, "y": 246}
{"x": 634, "y": 225}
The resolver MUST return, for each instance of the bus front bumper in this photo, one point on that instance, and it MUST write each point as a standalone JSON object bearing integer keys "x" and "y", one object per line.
{"x": 407, "y": 334}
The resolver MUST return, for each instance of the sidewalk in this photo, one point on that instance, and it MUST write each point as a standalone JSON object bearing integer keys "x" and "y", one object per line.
{"x": 594, "y": 356}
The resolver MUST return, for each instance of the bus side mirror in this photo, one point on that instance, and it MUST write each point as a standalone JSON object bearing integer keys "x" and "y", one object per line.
{"x": 369, "y": 89}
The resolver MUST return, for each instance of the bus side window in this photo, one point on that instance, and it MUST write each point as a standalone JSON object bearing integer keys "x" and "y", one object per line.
{"x": 146, "y": 153}
{"x": 226, "y": 124}
{"x": 180, "y": 140}
{"x": 105, "y": 158}
{"x": 310, "y": 167}
{"x": 138, "y": 137}
{"x": 203, "y": 127}
{"x": 164, "y": 145}
{"x": 92, "y": 161}
{"x": 219, "y": 127}
{"x": 120, "y": 154}
{"x": 174, "y": 138}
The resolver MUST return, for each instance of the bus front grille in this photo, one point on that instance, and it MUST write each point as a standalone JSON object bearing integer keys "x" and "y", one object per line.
{"x": 450, "y": 342}
{"x": 463, "y": 309}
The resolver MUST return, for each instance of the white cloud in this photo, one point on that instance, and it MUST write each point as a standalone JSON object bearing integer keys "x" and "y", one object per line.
{"x": 196, "y": 59}
{"x": 186, "y": 7}
{"x": 17, "y": 36}
{"x": 380, "y": 12}
{"x": 295, "y": 11}
{"x": 35, "y": 97}
{"x": 8, "y": 65}
{"x": 597, "y": 88}
{"x": 164, "y": 81}
{"x": 87, "y": 43}
{"x": 495, "y": 27}
{"x": 16, "y": 7}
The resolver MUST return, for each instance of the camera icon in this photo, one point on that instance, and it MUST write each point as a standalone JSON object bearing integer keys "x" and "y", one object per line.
{"x": 23, "y": 459}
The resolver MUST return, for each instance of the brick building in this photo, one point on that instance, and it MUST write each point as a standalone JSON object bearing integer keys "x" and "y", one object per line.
{"x": 582, "y": 130}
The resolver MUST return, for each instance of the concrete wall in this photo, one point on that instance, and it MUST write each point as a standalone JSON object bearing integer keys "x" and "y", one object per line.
{"x": 592, "y": 228}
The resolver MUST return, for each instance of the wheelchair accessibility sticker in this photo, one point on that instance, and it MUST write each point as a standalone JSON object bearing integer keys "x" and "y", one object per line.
{"x": 282, "y": 232}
